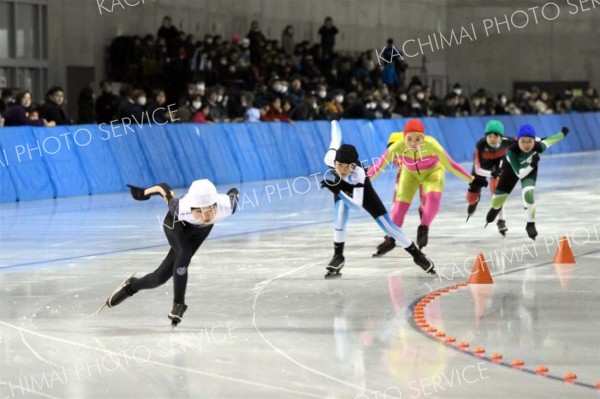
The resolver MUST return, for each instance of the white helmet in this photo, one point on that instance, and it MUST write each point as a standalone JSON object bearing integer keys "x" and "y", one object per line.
{"x": 202, "y": 193}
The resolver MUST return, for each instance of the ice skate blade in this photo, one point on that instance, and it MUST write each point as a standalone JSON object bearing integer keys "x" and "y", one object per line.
{"x": 334, "y": 275}
{"x": 100, "y": 309}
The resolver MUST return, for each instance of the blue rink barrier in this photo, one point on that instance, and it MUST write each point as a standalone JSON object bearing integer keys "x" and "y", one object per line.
{"x": 41, "y": 163}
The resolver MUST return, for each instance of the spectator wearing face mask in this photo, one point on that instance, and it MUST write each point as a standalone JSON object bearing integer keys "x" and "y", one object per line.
{"x": 402, "y": 107}
{"x": 336, "y": 104}
{"x": 186, "y": 112}
{"x": 138, "y": 108}
{"x": 385, "y": 107}
{"x": 418, "y": 107}
{"x": 500, "y": 106}
{"x": 463, "y": 105}
{"x": 52, "y": 109}
{"x": 203, "y": 115}
{"x": 360, "y": 108}
{"x": 218, "y": 112}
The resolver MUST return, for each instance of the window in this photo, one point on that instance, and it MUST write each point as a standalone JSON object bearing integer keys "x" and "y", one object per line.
{"x": 24, "y": 45}
{"x": 27, "y": 38}
{"x": 6, "y": 29}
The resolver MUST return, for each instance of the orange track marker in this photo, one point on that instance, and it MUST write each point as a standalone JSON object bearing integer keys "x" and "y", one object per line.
{"x": 541, "y": 369}
{"x": 481, "y": 273}
{"x": 564, "y": 254}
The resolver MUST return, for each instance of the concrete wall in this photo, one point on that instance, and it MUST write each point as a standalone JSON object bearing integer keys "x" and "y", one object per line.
{"x": 79, "y": 33}
{"x": 565, "y": 49}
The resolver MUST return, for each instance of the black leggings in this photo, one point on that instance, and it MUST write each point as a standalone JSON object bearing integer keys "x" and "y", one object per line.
{"x": 185, "y": 239}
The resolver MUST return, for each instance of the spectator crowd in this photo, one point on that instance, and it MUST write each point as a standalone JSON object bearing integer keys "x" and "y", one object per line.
{"x": 175, "y": 77}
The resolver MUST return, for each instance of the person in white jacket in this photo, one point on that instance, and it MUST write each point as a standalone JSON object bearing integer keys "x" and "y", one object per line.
{"x": 187, "y": 224}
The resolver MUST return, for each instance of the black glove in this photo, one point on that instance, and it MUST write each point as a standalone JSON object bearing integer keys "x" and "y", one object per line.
{"x": 480, "y": 181}
{"x": 495, "y": 171}
{"x": 565, "y": 130}
{"x": 534, "y": 161}
{"x": 332, "y": 186}
{"x": 138, "y": 193}
{"x": 234, "y": 195}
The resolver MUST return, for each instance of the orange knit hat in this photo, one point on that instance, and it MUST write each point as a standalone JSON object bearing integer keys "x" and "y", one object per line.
{"x": 414, "y": 126}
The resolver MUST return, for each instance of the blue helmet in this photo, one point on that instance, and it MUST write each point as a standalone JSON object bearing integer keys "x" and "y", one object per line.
{"x": 526, "y": 131}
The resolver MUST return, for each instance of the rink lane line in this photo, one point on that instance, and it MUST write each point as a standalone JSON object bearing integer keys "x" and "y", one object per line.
{"x": 153, "y": 362}
{"x": 100, "y": 254}
{"x": 425, "y": 299}
{"x": 260, "y": 287}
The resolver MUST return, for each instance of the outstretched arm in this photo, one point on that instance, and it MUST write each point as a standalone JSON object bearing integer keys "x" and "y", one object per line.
{"x": 143, "y": 194}
{"x": 335, "y": 143}
{"x": 555, "y": 138}
{"x": 386, "y": 158}
{"x": 449, "y": 163}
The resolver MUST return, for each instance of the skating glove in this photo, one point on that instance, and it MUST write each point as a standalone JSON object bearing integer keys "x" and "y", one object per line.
{"x": 495, "y": 171}
{"x": 234, "y": 195}
{"x": 534, "y": 161}
{"x": 331, "y": 185}
{"x": 565, "y": 130}
{"x": 138, "y": 193}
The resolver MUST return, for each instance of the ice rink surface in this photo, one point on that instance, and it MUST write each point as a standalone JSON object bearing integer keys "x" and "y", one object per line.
{"x": 264, "y": 323}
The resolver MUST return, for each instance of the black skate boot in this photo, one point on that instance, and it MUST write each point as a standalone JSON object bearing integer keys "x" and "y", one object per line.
{"x": 176, "y": 313}
{"x": 123, "y": 292}
{"x": 491, "y": 216}
{"x": 501, "y": 223}
{"x": 337, "y": 262}
{"x": 386, "y": 246}
{"x": 420, "y": 258}
{"x": 335, "y": 265}
{"x": 531, "y": 230}
{"x": 471, "y": 209}
{"x": 422, "y": 236}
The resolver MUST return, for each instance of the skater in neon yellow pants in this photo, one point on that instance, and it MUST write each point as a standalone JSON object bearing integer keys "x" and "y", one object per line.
{"x": 424, "y": 164}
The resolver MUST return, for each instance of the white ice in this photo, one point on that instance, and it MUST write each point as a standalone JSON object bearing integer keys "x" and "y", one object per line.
{"x": 264, "y": 323}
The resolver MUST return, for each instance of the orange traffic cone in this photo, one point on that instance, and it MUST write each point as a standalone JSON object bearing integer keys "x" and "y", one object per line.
{"x": 564, "y": 254}
{"x": 481, "y": 273}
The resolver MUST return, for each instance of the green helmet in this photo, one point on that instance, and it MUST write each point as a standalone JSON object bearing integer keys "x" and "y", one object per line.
{"x": 494, "y": 126}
